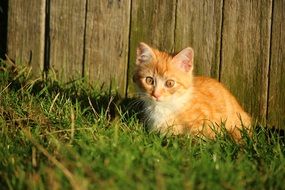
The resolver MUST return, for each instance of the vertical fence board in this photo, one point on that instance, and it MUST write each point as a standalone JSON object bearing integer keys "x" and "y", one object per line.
{"x": 152, "y": 22}
{"x": 107, "y": 34}
{"x": 67, "y": 22}
{"x": 276, "y": 107}
{"x": 245, "y": 52}
{"x": 26, "y": 32}
{"x": 199, "y": 25}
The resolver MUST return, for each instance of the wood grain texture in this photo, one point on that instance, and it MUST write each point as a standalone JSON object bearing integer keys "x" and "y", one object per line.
{"x": 276, "y": 104}
{"x": 67, "y": 22}
{"x": 153, "y": 22}
{"x": 199, "y": 26}
{"x": 106, "y": 50}
{"x": 26, "y": 30}
{"x": 245, "y": 52}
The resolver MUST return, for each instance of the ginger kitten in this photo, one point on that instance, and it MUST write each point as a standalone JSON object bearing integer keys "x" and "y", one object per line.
{"x": 177, "y": 102}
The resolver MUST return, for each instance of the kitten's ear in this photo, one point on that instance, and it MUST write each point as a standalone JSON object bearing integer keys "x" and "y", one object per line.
{"x": 184, "y": 59}
{"x": 144, "y": 54}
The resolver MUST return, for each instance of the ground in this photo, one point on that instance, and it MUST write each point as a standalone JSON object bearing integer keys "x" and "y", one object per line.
{"x": 74, "y": 136}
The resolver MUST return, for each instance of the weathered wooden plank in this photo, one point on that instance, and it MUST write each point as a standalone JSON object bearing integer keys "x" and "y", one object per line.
{"x": 26, "y": 30}
{"x": 199, "y": 26}
{"x": 276, "y": 104}
{"x": 152, "y": 22}
{"x": 245, "y": 52}
{"x": 106, "y": 51}
{"x": 67, "y": 24}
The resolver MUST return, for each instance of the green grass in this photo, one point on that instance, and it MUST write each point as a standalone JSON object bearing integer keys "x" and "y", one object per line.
{"x": 74, "y": 136}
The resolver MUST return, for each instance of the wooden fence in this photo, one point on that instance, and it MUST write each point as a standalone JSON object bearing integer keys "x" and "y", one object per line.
{"x": 239, "y": 42}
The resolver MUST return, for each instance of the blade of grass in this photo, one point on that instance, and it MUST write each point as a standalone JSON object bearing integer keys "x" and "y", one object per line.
{"x": 53, "y": 102}
{"x": 72, "y": 117}
{"x": 93, "y": 109}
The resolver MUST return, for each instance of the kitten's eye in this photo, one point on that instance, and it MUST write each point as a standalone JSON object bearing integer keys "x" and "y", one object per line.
{"x": 169, "y": 83}
{"x": 149, "y": 80}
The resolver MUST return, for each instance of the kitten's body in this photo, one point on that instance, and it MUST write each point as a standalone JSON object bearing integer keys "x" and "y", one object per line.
{"x": 179, "y": 103}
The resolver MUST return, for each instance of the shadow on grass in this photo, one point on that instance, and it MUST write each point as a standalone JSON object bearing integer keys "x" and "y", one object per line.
{"x": 270, "y": 132}
{"x": 16, "y": 77}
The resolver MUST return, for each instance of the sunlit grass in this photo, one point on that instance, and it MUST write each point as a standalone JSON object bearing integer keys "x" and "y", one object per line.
{"x": 64, "y": 136}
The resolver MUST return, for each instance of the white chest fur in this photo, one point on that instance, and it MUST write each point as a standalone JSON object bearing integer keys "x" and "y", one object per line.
{"x": 161, "y": 115}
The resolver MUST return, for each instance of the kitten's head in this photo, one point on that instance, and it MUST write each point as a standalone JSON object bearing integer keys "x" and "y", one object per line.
{"x": 161, "y": 77}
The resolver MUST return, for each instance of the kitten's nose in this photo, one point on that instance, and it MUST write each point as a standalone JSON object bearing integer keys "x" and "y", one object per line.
{"x": 156, "y": 94}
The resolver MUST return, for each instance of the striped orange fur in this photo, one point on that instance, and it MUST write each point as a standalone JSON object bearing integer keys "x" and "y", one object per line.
{"x": 177, "y": 102}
